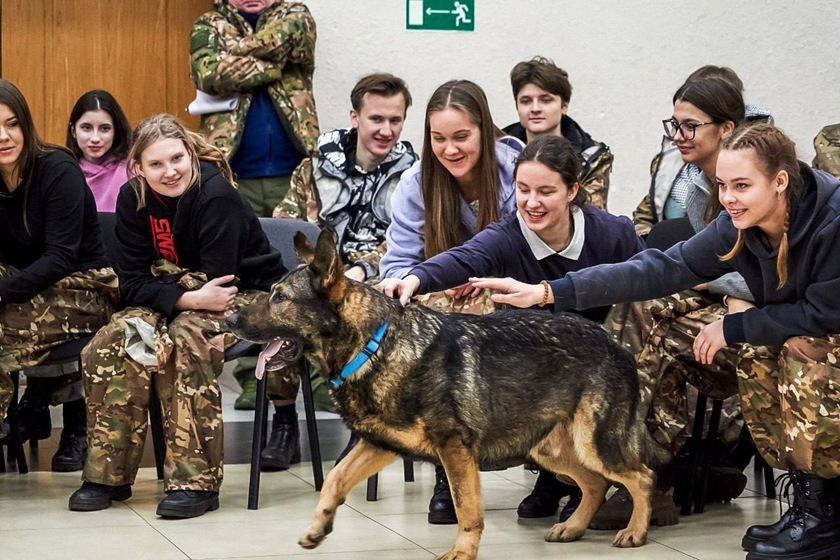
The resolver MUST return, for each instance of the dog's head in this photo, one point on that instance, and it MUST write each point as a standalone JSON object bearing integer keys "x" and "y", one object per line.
{"x": 302, "y": 307}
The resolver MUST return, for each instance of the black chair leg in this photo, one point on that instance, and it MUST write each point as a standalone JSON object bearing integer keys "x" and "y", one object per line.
{"x": 258, "y": 443}
{"x": 761, "y": 467}
{"x": 694, "y": 455}
{"x": 714, "y": 424}
{"x": 372, "y": 488}
{"x": 16, "y": 453}
{"x": 156, "y": 425}
{"x": 312, "y": 426}
{"x": 408, "y": 469}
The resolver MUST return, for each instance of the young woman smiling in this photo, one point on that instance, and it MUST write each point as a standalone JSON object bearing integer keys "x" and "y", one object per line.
{"x": 99, "y": 136}
{"x": 780, "y": 232}
{"x": 191, "y": 252}
{"x": 551, "y": 233}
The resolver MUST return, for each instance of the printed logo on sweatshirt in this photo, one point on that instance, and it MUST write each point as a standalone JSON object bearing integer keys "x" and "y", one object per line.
{"x": 163, "y": 240}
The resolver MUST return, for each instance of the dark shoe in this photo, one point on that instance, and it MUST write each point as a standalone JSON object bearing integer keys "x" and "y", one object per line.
{"x": 351, "y": 443}
{"x": 283, "y": 448}
{"x": 725, "y": 484}
{"x": 544, "y": 499}
{"x": 571, "y": 505}
{"x": 94, "y": 497}
{"x": 34, "y": 409}
{"x": 183, "y": 504}
{"x": 247, "y": 399}
{"x": 758, "y": 533}
{"x": 813, "y": 532}
{"x": 441, "y": 507}
{"x": 72, "y": 448}
{"x": 614, "y": 514}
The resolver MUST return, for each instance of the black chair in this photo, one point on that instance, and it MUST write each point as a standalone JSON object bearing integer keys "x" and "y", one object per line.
{"x": 280, "y": 233}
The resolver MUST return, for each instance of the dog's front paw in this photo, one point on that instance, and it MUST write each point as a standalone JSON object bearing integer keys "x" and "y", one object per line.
{"x": 456, "y": 555}
{"x": 629, "y": 538}
{"x": 562, "y": 532}
{"x": 315, "y": 536}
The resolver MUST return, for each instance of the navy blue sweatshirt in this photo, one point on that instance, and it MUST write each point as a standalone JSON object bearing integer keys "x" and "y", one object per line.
{"x": 806, "y": 305}
{"x": 501, "y": 250}
{"x": 59, "y": 234}
{"x": 210, "y": 229}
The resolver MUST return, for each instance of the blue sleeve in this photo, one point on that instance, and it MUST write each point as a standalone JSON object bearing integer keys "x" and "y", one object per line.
{"x": 404, "y": 238}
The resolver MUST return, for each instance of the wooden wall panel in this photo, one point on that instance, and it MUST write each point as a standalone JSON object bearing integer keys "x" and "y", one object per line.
{"x": 136, "y": 49}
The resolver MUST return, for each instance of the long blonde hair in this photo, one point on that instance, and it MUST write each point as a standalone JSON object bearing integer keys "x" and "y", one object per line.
{"x": 165, "y": 126}
{"x": 441, "y": 198}
{"x": 775, "y": 152}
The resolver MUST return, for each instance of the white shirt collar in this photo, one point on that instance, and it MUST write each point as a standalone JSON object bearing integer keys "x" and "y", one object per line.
{"x": 541, "y": 250}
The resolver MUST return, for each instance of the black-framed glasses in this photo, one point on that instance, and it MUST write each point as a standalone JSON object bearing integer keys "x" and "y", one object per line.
{"x": 687, "y": 129}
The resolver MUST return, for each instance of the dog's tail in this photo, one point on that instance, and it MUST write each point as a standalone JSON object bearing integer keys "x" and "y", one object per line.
{"x": 653, "y": 454}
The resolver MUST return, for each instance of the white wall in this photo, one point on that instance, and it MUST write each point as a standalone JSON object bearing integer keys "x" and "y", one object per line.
{"x": 625, "y": 60}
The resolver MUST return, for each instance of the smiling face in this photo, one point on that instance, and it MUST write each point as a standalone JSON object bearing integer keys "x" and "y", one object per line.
{"x": 94, "y": 133}
{"x": 166, "y": 166}
{"x": 539, "y": 111}
{"x": 379, "y": 123}
{"x": 544, "y": 201}
{"x": 704, "y": 147}
{"x": 11, "y": 143}
{"x": 749, "y": 196}
{"x": 456, "y": 142}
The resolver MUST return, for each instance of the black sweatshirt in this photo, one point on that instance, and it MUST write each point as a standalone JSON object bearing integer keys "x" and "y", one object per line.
{"x": 210, "y": 228}
{"x": 60, "y": 234}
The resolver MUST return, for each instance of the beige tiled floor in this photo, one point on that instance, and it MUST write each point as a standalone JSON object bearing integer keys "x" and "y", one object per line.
{"x": 36, "y": 525}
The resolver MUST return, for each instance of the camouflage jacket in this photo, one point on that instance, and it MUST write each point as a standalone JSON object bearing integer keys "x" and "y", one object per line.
{"x": 227, "y": 56}
{"x": 596, "y": 159}
{"x": 827, "y": 146}
{"x": 325, "y": 190}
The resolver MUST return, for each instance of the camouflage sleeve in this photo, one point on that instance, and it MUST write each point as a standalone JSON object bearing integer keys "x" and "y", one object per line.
{"x": 300, "y": 201}
{"x": 216, "y": 70}
{"x": 643, "y": 217}
{"x": 290, "y": 38}
{"x": 370, "y": 260}
{"x": 596, "y": 179}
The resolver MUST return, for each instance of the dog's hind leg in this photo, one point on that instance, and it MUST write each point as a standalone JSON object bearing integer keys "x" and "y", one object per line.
{"x": 640, "y": 484}
{"x": 363, "y": 461}
{"x": 461, "y": 466}
{"x": 556, "y": 453}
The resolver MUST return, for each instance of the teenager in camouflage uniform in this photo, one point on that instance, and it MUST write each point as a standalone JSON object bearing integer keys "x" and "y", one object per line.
{"x": 264, "y": 53}
{"x": 346, "y": 186}
{"x": 780, "y": 231}
{"x": 542, "y": 93}
{"x": 191, "y": 251}
{"x": 54, "y": 282}
{"x": 462, "y": 183}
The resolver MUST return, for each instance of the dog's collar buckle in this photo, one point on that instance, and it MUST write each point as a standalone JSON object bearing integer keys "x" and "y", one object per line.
{"x": 366, "y": 354}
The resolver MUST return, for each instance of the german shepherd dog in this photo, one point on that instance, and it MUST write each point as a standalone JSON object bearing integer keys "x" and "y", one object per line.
{"x": 461, "y": 390}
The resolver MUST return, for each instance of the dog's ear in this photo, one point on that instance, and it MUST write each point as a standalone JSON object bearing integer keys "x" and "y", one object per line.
{"x": 304, "y": 248}
{"x": 326, "y": 268}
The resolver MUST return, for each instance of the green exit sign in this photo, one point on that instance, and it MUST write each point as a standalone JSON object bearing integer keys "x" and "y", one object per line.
{"x": 442, "y": 15}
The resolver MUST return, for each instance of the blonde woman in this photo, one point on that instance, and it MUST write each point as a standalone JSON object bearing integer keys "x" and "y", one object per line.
{"x": 191, "y": 251}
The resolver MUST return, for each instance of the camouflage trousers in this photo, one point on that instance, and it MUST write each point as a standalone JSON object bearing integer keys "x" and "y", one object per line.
{"x": 75, "y": 306}
{"x": 791, "y": 403}
{"x": 660, "y": 334}
{"x": 140, "y": 355}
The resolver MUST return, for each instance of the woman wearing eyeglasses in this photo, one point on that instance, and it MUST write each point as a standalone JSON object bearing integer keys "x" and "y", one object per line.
{"x": 660, "y": 332}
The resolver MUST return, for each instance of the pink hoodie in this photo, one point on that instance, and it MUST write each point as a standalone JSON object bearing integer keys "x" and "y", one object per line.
{"x": 105, "y": 181}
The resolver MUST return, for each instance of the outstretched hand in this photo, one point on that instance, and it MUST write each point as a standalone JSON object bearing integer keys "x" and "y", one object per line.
{"x": 513, "y": 292}
{"x": 212, "y": 296}
{"x": 402, "y": 288}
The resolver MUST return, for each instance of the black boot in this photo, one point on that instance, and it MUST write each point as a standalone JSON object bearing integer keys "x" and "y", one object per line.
{"x": 94, "y": 497}
{"x": 758, "y": 533}
{"x": 34, "y": 408}
{"x": 283, "y": 448}
{"x": 441, "y": 506}
{"x": 185, "y": 504}
{"x": 813, "y": 532}
{"x": 571, "y": 505}
{"x": 72, "y": 448}
{"x": 545, "y": 498}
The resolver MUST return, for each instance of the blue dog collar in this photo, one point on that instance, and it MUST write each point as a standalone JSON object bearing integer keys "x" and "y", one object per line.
{"x": 369, "y": 350}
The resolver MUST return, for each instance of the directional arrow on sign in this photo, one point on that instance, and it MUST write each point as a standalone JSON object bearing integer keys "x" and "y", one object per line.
{"x": 430, "y": 11}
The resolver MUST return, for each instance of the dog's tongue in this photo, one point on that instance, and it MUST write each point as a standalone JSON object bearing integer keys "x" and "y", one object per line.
{"x": 267, "y": 353}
